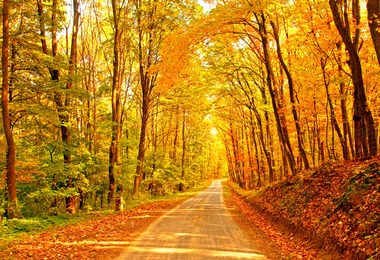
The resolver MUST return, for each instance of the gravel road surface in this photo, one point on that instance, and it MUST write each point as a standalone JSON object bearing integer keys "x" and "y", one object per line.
{"x": 200, "y": 228}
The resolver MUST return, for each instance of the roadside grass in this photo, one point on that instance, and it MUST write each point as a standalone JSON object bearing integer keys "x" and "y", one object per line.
{"x": 226, "y": 191}
{"x": 15, "y": 229}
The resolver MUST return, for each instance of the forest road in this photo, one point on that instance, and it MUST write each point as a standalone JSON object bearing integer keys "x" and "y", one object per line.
{"x": 200, "y": 228}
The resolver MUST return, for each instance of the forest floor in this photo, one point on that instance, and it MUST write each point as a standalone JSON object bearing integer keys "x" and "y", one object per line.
{"x": 100, "y": 238}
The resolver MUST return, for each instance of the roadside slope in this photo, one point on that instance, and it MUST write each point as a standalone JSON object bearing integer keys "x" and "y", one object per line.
{"x": 335, "y": 207}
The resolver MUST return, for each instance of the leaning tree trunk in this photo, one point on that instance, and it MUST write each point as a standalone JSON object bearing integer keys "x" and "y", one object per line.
{"x": 11, "y": 152}
{"x": 291, "y": 94}
{"x": 270, "y": 81}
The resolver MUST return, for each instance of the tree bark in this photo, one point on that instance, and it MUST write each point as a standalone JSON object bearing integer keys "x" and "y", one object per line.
{"x": 291, "y": 94}
{"x": 116, "y": 101}
{"x": 11, "y": 151}
{"x": 183, "y": 163}
{"x": 365, "y": 135}
{"x": 270, "y": 81}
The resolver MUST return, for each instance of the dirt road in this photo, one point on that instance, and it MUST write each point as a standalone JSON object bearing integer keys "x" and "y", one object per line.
{"x": 200, "y": 228}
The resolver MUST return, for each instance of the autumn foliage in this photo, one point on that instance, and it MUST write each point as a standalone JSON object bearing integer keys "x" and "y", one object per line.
{"x": 108, "y": 100}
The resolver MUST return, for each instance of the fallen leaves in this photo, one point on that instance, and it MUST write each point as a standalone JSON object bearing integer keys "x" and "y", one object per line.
{"x": 101, "y": 238}
{"x": 286, "y": 243}
{"x": 337, "y": 205}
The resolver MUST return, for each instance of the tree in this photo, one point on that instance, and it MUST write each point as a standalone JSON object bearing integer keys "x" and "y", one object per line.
{"x": 365, "y": 137}
{"x": 292, "y": 96}
{"x": 11, "y": 151}
{"x": 70, "y": 200}
{"x": 117, "y": 82}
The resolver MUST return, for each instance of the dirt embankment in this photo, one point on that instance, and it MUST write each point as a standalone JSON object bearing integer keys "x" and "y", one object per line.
{"x": 335, "y": 208}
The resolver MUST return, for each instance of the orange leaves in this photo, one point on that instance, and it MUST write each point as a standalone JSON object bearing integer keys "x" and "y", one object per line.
{"x": 101, "y": 238}
{"x": 337, "y": 204}
{"x": 286, "y": 242}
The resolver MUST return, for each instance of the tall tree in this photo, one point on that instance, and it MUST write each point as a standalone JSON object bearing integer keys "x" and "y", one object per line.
{"x": 117, "y": 78}
{"x": 365, "y": 136}
{"x": 11, "y": 151}
{"x": 261, "y": 19}
{"x": 66, "y": 136}
{"x": 292, "y": 96}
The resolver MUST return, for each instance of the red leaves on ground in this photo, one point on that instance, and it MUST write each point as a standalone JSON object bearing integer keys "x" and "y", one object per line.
{"x": 336, "y": 205}
{"x": 285, "y": 242}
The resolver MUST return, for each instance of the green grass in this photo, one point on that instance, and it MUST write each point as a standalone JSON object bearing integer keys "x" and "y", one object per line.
{"x": 226, "y": 191}
{"x": 12, "y": 229}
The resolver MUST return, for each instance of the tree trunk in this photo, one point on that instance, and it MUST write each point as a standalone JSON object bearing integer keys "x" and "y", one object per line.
{"x": 365, "y": 135}
{"x": 116, "y": 100}
{"x": 270, "y": 81}
{"x": 66, "y": 136}
{"x": 11, "y": 151}
{"x": 141, "y": 154}
{"x": 266, "y": 151}
{"x": 343, "y": 104}
{"x": 259, "y": 184}
{"x": 183, "y": 163}
{"x": 147, "y": 83}
{"x": 292, "y": 99}
{"x": 250, "y": 157}
{"x": 334, "y": 122}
